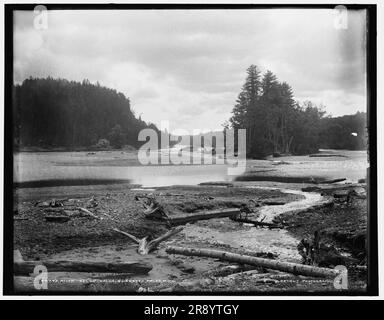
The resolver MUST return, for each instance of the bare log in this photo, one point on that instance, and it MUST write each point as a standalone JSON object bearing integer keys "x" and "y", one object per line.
{"x": 108, "y": 216}
{"x": 89, "y": 213}
{"x": 155, "y": 242}
{"x": 319, "y": 155}
{"x": 132, "y": 237}
{"x": 27, "y": 267}
{"x": 289, "y": 267}
{"x": 332, "y": 188}
{"x": 333, "y": 180}
{"x": 205, "y": 216}
{"x": 269, "y": 225}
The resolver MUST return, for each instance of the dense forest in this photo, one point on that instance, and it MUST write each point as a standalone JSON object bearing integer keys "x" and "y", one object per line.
{"x": 60, "y": 113}
{"x": 277, "y": 124}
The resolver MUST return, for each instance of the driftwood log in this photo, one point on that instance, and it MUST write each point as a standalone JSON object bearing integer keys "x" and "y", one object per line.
{"x": 27, "y": 267}
{"x": 269, "y": 225}
{"x": 333, "y": 181}
{"x": 146, "y": 246}
{"x": 289, "y": 267}
{"x": 332, "y": 188}
{"x": 205, "y": 216}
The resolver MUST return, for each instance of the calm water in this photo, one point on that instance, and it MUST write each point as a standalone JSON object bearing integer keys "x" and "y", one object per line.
{"x": 117, "y": 165}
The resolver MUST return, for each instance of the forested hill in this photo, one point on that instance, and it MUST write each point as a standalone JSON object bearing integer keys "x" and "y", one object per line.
{"x": 60, "y": 113}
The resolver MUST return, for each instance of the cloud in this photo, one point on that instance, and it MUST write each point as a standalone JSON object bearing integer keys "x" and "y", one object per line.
{"x": 188, "y": 66}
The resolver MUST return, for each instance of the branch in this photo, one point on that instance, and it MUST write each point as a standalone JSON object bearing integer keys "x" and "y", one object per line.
{"x": 132, "y": 237}
{"x": 155, "y": 242}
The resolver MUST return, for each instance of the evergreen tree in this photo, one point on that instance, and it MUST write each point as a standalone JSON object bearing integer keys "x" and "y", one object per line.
{"x": 275, "y": 123}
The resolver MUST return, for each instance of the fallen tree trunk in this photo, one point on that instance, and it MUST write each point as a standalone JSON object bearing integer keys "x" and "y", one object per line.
{"x": 332, "y": 188}
{"x": 270, "y": 225}
{"x": 27, "y": 267}
{"x": 132, "y": 237}
{"x": 89, "y": 213}
{"x": 225, "y": 213}
{"x": 332, "y": 181}
{"x": 146, "y": 246}
{"x": 319, "y": 155}
{"x": 289, "y": 267}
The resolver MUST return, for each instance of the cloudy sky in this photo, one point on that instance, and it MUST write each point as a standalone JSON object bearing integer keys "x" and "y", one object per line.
{"x": 188, "y": 67}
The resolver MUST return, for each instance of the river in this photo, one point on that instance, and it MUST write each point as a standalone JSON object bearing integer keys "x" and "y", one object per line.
{"x": 121, "y": 165}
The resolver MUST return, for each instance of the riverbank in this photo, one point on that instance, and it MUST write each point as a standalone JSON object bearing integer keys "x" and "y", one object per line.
{"x": 36, "y": 238}
{"x": 85, "y": 238}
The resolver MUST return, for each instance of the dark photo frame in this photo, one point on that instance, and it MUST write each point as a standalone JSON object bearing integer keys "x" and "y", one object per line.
{"x": 9, "y": 120}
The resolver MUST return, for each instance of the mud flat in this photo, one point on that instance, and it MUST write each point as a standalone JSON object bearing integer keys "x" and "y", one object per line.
{"x": 84, "y": 238}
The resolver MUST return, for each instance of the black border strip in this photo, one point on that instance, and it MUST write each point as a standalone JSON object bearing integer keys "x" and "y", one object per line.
{"x": 372, "y": 287}
{"x": 8, "y": 153}
{"x": 372, "y": 243}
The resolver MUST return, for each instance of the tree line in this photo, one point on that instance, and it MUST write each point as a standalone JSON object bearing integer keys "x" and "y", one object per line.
{"x": 277, "y": 124}
{"x": 53, "y": 113}
{"x": 60, "y": 113}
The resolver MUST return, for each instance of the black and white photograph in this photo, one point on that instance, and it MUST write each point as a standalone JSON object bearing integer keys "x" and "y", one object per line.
{"x": 190, "y": 150}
